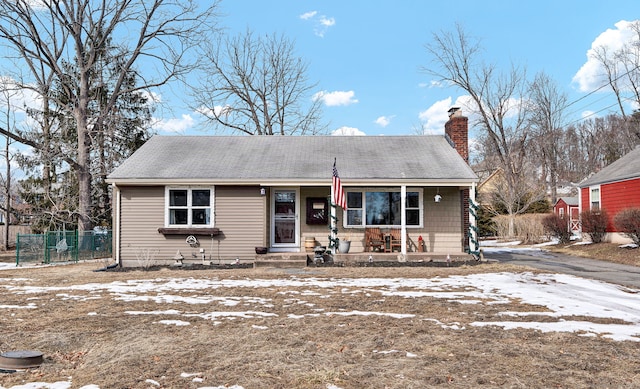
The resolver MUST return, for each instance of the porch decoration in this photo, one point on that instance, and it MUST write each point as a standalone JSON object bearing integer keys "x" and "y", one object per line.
{"x": 333, "y": 229}
{"x": 338, "y": 198}
{"x": 473, "y": 230}
{"x": 344, "y": 244}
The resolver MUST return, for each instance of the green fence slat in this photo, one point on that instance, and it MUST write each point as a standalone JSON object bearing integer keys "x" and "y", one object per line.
{"x": 65, "y": 246}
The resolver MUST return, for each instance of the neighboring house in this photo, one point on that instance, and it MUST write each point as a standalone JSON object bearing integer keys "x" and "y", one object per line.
{"x": 568, "y": 208}
{"x": 219, "y": 197}
{"x": 489, "y": 185}
{"x": 614, "y": 188}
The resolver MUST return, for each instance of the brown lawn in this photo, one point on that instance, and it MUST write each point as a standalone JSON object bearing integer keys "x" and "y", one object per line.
{"x": 92, "y": 336}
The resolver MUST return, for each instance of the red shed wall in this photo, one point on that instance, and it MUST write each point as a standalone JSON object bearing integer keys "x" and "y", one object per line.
{"x": 615, "y": 197}
{"x": 561, "y": 204}
{"x": 618, "y": 196}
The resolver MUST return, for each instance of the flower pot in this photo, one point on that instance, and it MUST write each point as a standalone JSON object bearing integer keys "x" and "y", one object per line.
{"x": 344, "y": 246}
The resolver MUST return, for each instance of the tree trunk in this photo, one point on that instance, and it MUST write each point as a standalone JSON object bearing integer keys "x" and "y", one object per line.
{"x": 84, "y": 155}
{"x": 7, "y": 203}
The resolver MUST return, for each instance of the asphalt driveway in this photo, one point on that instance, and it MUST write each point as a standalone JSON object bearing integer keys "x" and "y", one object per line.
{"x": 583, "y": 267}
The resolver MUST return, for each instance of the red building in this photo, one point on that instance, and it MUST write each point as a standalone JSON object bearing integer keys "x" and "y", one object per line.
{"x": 614, "y": 188}
{"x": 568, "y": 208}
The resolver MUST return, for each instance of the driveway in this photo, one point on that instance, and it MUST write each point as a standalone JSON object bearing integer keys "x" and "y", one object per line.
{"x": 583, "y": 267}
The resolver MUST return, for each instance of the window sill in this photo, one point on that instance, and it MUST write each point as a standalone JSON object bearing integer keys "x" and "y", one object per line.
{"x": 212, "y": 231}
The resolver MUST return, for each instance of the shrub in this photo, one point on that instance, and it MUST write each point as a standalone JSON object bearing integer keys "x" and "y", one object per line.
{"x": 594, "y": 224}
{"x": 486, "y": 225}
{"x": 527, "y": 228}
{"x": 557, "y": 227}
{"x": 628, "y": 222}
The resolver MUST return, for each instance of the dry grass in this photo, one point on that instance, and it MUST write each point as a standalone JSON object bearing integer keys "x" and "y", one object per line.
{"x": 610, "y": 252}
{"x": 94, "y": 341}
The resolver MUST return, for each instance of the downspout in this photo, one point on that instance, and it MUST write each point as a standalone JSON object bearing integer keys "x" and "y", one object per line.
{"x": 115, "y": 231}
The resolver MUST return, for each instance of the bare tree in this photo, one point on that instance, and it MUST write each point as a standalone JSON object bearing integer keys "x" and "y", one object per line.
{"x": 621, "y": 69}
{"x": 8, "y": 92}
{"x": 45, "y": 37}
{"x": 547, "y": 104}
{"x": 500, "y": 110}
{"x": 257, "y": 86}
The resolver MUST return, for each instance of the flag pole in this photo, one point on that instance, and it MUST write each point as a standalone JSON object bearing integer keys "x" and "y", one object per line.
{"x": 333, "y": 225}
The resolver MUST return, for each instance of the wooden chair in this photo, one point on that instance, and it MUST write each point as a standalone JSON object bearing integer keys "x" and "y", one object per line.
{"x": 395, "y": 239}
{"x": 374, "y": 239}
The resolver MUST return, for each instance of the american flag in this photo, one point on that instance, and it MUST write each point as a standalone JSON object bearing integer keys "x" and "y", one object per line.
{"x": 338, "y": 193}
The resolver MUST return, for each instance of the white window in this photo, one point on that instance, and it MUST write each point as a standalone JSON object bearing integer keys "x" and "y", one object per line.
{"x": 594, "y": 197}
{"x": 189, "y": 207}
{"x": 561, "y": 212}
{"x": 382, "y": 207}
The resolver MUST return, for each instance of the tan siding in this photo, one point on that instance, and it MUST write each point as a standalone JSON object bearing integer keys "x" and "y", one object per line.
{"x": 241, "y": 216}
{"x": 238, "y": 212}
{"x": 141, "y": 214}
{"x": 442, "y": 221}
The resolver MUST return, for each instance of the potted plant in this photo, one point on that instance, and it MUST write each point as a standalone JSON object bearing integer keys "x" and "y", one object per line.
{"x": 344, "y": 244}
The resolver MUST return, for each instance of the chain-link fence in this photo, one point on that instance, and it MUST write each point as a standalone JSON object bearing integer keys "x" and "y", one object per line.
{"x": 63, "y": 246}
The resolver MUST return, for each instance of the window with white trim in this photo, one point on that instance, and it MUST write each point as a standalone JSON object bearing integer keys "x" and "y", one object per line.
{"x": 189, "y": 207}
{"x": 594, "y": 197}
{"x": 382, "y": 208}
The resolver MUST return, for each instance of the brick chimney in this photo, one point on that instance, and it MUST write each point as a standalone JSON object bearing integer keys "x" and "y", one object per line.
{"x": 457, "y": 130}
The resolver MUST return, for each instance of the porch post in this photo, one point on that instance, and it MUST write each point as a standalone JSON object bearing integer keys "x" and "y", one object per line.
{"x": 403, "y": 219}
{"x": 473, "y": 223}
{"x": 333, "y": 224}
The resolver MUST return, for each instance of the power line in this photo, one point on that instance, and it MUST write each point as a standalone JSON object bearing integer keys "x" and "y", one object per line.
{"x": 606, "y": 84}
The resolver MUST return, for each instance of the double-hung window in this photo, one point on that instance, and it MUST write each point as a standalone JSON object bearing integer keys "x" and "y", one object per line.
{"x": 189, "y": 207}
{"x": 382, "y": 207}
{"x": 594, "y": 198}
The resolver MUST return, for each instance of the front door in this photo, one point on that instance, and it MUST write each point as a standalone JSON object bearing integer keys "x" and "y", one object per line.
{"x": 285, "y": 220}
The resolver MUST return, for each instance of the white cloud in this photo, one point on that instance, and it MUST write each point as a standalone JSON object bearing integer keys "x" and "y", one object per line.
{"x": 332, "y": 99}
{"x": 434, "y": 117}
{"x": 344, "y": 130}
{"x": 327, "y": 22}
{"x": 586, "y": 114}
{"x": 178, "y": 125}
{"x": 384, "y": 121}
{"x": 432, "y": 84}
{"x": 17, "y": 98}
{"x": 308, "y": 15}
{"x": 321, "y": 23}
{"x": 592, "y": 75}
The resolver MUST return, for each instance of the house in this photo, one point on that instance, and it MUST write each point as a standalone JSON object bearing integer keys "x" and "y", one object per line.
{"x": 219, "y": 197}
{"x": 568, "y": 208}
{"x": 490, "y": 182}
{"x": 614, "y": 188}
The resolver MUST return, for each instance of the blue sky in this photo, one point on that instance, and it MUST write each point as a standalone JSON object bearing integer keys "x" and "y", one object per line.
{"x": 367, "y": 56}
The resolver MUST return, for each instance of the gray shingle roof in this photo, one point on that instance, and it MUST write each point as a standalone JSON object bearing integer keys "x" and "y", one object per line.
{"x": 568, "y": 200}
{"x": 254, "y": 158}
{"x": 627, "y": 167}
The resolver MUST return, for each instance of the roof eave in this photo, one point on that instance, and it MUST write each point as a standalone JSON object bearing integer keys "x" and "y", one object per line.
{"x": 292, "y": 182}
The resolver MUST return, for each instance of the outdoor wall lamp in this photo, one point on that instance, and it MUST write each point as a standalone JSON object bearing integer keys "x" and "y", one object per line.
{"x": 437, "y": 198}
{"x": 263, "y": 192}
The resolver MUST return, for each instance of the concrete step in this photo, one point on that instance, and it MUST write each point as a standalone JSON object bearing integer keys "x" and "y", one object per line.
{"x": 281, "y": 260}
